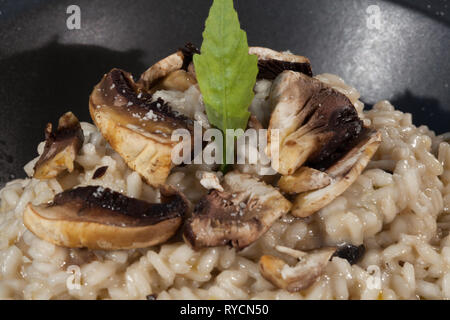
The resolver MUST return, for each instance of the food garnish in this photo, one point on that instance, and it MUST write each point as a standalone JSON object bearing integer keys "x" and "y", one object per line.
{"x": 226, "y": 72}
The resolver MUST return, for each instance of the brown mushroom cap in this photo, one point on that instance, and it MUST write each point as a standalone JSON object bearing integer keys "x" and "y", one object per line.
{"x": 138, "y": 129}
{"x": 61, "y": 148}
{"x": 299, "y": 277}
{"x": 271, "y": 63}
{"x": 99, "y": 218}
{"x": 238, "y": 216}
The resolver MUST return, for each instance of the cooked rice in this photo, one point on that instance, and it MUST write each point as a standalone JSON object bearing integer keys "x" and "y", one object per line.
{"x": 399, "y": 208}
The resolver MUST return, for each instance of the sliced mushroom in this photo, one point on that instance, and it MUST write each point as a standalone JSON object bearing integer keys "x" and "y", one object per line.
{"x": 289, "y": 95}
{"x": 177, "y": 72}
{"x": 299, "y": 277}
{"x": 344, "y": 173}
{"x": 271, "y": 63}
{"x": 304, "y": 179}
{"x": 315, "y": 122}
{"x": 61, "y": 148}
{"x": 238, "y": 216}
{"x": 99, "y": 218}
{"x": 171, "y": 73}
{"x": 323, "y": 144}
{"x": 138, "y": 129}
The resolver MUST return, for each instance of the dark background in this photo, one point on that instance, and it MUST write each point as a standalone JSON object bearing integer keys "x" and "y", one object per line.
{"x": 46, "y": 69}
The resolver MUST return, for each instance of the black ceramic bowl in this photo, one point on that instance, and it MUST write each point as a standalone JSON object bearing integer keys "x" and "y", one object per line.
{"x": 47, "y": 69}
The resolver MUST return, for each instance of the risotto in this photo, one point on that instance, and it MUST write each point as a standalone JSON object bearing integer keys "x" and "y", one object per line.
{"x": 397, "y": 209}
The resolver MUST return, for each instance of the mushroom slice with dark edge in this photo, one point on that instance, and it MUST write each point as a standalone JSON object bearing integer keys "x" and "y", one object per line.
{"x": 271, "y": 63}
{"x": 238, "y": 216}
{"x": 138, "y": 129}
{"x": 172, "y": 73}
{"x": 99, "y": 218}
{"x": 323, "y": 144}
{"x": 343, "y": 173}
{"x": 300, "y": 277}
{"x": 61, "y": 148}
{"x": 314, "y": 122}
